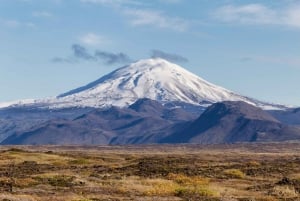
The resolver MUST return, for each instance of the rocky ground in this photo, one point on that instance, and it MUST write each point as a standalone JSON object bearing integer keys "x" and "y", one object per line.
{"x": 241, "y": 172}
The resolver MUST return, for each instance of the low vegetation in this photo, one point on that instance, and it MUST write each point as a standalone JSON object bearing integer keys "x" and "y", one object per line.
{"x": 268, "y": 172}
{"x": 234, "y": 173}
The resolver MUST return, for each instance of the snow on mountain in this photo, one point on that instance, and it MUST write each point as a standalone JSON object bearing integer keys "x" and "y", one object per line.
{"x": 156, "y": 79}
{"x": 17, "y": 103}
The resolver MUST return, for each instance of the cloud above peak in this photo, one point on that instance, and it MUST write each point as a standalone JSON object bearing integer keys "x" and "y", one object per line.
{"x": 259, "y": 14}
{"x": 112, "y": 58}
{"x": 168, "y": 56}
{"x": 80, "y": 53}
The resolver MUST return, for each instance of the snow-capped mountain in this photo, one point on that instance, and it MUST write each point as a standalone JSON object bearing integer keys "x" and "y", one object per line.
{"x": 156, "y": 79}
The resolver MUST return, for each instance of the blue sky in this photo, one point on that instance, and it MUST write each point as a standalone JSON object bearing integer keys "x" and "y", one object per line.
{"x": 51, "y": 46}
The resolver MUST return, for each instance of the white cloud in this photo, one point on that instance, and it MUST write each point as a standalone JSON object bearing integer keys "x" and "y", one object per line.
{"x": 42, "y": 14}
{"x": 92, "y": 39}
{"x": 260, "y": 14}
{"x": 251, "y": 13}
{"x": 140, "y": 17}
{"x": 292, "y": 16}
{"x": 16, "y": 24}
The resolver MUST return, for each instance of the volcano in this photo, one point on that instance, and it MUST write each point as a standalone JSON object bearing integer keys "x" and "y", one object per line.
{"x": 155, "y": 79}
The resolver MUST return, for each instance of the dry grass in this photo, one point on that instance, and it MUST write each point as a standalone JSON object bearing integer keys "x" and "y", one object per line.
{"x": 211, "y": 173}
{"x": 234, "y": 173}
{"x": 9, "y": 197}
{"x": 147, "y": 187}
{"x": 284, "y": 192}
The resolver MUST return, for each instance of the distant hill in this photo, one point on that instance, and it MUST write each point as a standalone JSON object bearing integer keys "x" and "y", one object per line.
{"x": 230, "y": 122}
{"x": 147, "y": 121}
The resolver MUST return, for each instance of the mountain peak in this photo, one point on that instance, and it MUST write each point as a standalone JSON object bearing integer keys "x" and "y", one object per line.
{"x": 160, "y": 67}
{"x": 156, "y": 79}
{"x": 152, "y": 61}
{"x": 155, "y": 63}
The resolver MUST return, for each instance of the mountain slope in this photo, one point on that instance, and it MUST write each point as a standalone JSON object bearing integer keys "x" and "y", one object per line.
{"x": 290, "y": 116}
{"x": 19, "y": 119}
{"x": 154, "y": 108}
{"x": 230, "y": 122}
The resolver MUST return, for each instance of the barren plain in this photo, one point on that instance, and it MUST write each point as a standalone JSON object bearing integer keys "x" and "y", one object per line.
{"x": 238, "y": 172}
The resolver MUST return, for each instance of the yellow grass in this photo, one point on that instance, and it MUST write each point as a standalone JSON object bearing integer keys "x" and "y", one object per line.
{"x": 179, "y": 172}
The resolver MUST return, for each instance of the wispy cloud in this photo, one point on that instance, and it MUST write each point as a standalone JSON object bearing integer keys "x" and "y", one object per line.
{"x": 43, "y": 14}
{"x": 112, "y": 58}
{"x": 92, "y": 39}
{"x": 140, "y": 17}
{"x": 63, "y": 60}
{"x": 168, "y": 56}
{"x": 260, "y": 14}
{"x": 16, "y": 24}
{"x": 80, "y": 53}
{"x": 137, "y": 15}
{"x": 290, "y": 61}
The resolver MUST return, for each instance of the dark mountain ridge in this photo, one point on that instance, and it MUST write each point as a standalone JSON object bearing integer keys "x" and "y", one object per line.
{"x": 230, "y": 122}
{"x": 147, "y": 121}
{"x": 106, "y": 126}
